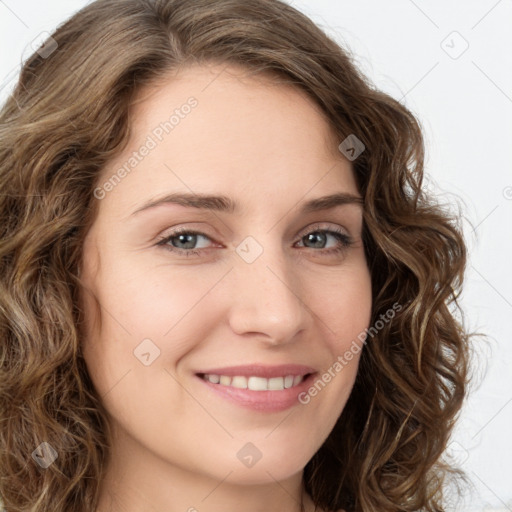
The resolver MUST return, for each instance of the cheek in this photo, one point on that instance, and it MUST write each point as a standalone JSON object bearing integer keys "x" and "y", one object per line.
{"x": 139, "y": 303}
{"x": 146, "y": 300}
{"x": 343, "y": 312}
{"x": 153, "y": 300}
{"x": 343, "y": 303}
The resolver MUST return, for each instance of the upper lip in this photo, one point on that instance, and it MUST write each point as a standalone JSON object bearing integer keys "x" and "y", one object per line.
{"x": 258, "y": 370}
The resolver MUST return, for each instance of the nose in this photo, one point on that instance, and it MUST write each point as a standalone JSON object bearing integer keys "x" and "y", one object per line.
{"x": 267, "y": 299}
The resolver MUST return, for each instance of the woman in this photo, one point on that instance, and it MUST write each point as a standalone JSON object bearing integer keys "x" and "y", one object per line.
{"x": 248, "y": 367}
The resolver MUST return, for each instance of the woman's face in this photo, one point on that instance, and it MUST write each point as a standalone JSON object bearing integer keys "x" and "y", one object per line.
{"x": 269, "y": 286}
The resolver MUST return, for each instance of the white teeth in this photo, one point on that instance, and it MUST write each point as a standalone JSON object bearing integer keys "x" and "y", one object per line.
{"x": 255, "y": 383}
{"x": 297, "y": 379}
{"x": 225, "y": 380}
{"x": 276, "y": 383}
{"x": 239, "y": 382}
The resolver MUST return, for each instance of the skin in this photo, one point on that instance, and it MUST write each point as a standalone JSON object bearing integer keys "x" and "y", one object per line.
{"x": 268, "y": 147}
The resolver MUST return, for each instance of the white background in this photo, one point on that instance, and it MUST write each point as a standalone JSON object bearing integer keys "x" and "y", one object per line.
{"x": 464, "y": 103}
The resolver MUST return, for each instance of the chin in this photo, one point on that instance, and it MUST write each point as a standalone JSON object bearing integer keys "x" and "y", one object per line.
{"x": 260, "y": 474}
{"x": 261, "y": 462}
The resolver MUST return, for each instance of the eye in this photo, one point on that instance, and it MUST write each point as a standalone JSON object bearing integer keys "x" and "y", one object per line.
{"x": 184, "y": 241}
{"x": 183, "y": 237}
{"x": 319, "y": 237}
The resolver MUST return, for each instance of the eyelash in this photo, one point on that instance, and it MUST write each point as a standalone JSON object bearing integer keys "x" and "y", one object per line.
{"x": 345, "y": 241}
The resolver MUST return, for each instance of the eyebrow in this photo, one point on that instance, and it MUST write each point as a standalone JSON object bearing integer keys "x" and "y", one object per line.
{"x": 225, "y": 204}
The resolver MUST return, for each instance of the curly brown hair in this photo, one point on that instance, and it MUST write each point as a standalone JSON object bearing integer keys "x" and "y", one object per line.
{"x": 69, "y": 115}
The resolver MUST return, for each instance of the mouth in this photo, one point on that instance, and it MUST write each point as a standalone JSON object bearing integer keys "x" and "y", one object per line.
{"x": 256, "y": 387}
{"x": 255, "y": 383}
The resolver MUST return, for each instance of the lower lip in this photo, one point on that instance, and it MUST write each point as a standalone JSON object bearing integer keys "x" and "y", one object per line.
{"x": 264, "y": 401}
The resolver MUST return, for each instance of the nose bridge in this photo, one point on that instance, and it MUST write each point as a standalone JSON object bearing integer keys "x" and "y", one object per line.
{"x": 266, "y": 298}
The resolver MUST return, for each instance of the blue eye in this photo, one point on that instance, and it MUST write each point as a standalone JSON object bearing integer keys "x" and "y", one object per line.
{"x": 321, "y": 236}
{"x": 185, "y": 237}
{"x": 183, "y": 241}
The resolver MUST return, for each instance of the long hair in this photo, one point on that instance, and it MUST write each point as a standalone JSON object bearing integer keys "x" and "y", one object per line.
{"x": 69, "y": 115}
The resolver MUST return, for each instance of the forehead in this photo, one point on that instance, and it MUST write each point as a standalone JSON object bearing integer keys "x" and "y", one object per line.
{"x": 228, "y": 98}
{"x": 214, "y": 128}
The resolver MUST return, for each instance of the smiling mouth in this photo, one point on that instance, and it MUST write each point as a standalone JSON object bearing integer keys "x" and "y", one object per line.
{"x": 255, "y": 383}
